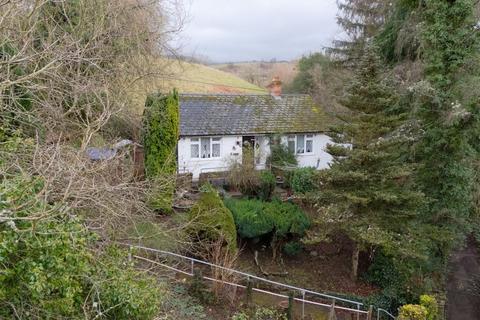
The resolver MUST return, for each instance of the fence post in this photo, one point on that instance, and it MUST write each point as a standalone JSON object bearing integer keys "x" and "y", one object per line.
{"x": 290, "y": 305}
{"x": 370, "y": 312}
{"x": 191, "y": 269}
{"x": 358, "y": 313}
{"x": 303, "y": 304}
{"x": 332, "y": 315}
{"x": 248, "y": 294}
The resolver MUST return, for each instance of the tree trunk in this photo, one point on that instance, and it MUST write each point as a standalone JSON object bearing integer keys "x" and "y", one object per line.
{"x": 355, "y": 254}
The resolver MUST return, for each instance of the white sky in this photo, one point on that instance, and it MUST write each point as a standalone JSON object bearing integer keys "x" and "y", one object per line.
{"x": 240, "y": 30}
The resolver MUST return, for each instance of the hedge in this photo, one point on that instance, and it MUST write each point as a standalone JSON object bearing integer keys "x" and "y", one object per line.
{"x": 160, "y": 137}
{"x": 210, "y": 219}
{"x": 255, "y": 218}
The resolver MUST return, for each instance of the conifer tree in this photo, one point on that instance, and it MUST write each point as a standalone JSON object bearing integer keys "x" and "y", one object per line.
{"x": 447, "y": 105}
{"x": 360, "y": 21}
{"x": 368, "y": 192}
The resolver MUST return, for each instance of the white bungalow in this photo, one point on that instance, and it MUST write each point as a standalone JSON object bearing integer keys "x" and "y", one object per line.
{"x": 214, "y": 129}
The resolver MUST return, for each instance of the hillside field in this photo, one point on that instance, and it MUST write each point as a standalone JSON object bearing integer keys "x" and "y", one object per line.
{"x": 189, "y": 77}
{"x": 260, "y": 72}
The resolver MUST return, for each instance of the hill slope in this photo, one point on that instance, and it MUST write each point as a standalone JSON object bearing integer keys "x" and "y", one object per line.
{"x": 189, "y": 78}
{"x": 261, "y": 73}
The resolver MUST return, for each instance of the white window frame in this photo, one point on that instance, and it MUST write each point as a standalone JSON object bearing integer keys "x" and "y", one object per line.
{"x": 306, "y": 137}
{"x": 213, "y": 141}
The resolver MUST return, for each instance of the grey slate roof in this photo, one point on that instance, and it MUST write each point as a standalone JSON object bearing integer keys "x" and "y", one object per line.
{"x": 225, "y": 114}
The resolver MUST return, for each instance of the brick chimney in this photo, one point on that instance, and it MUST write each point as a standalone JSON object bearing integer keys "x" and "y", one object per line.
{"x": 275, "y": 87}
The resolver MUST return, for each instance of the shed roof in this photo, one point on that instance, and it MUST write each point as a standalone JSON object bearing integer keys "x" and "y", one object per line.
{"x": 227, "y": 114}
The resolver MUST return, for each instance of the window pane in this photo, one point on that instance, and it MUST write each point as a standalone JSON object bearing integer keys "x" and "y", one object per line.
{"x": 309, "y": 135}
{"x": 216, "y": 150}
{"x": 216, "y": 139}
{"x": 205, "y": 142}
{"x": 194, "y": 150}
{"x": 309, "y": 146}
{"x": 194, "y": 139}
{"x": 300, "y": 144}
{"x": 291, "y": 146}
{"x": 291, "y": 138}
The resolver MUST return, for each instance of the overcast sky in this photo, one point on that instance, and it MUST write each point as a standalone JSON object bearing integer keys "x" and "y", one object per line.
{"x": 240, "y": 30}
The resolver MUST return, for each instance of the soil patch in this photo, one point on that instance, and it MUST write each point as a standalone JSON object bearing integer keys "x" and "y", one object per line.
{"x": 322, "y": 268}
{"x": 463, "y": 302}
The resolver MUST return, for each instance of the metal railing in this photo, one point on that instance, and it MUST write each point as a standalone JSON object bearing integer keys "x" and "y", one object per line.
{"x": 381, "y": 311}
{"x": 350, "y": 306}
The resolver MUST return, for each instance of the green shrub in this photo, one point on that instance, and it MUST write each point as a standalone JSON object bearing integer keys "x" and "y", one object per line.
{"x": 199, "y": 289}
{"x": 260, "y": 313}
{"x": 210, "y": 219}
{"x": 161, "y": 132}
{"x": 160, "y": 137}
{"x": 43, "y": 261}
{"x": 122, "y": 292}
{"x": 430, "y": 303}
{"x": 255, "y": 218}
{"x": 267, "y": 185}
{"x": 303, "y": 180}
{"x": 412, "y": 312}
{"x": 280, "y": 156}
{"x": 293, "y": 248}
{"x": 249, "y": 216}
{"x": 48, "y": 270}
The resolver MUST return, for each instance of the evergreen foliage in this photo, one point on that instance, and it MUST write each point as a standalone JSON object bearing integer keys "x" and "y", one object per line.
{"x": 449, "y": 117}
{"x": 210, "y": 219}
{"x": 160, "y": 138}
{"x": 360, "y": 20}
{"x": 304, "y": 81}
{"x": 255, "y": 218}
{"x": 369, "y": 194}
{"x": 266, "y": 186}
{"x": 303, "y": 180}
{"x": 47, "y": 267}
{"x": 161, "y": 125}
{"x": 280, "y": 156}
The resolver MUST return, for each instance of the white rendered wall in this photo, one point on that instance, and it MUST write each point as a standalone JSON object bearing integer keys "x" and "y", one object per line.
{"x": 230, "y": 151}
{"x": 319, "y": 158}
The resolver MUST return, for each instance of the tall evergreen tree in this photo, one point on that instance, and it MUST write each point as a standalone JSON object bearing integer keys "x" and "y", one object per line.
{"x": 360, "y": 21}
{"x": 447, "y": 104}
{"x": 368, "y": 193}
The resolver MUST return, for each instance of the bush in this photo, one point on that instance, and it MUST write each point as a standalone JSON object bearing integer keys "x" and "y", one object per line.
{"x": 123, "y": 292}
{"x": 267, "y": 185}
{"x": 160, "y": 137}
{"x": 280, "y": 156}
{"x": 161, "y": 131}
{"x": 199, "y": 289}
{"x": 260, "y": 313}
{"x": 293, "y": 248}
{"x": 210, "y": 219}
{"x": 43, "y": 261}
{"x": 303, "y": 180}
{"x": 48, "y": 270}
{"x": 255, "y": 218}
{"x": 430, "y": 303}
{"x": 412, "y": 312}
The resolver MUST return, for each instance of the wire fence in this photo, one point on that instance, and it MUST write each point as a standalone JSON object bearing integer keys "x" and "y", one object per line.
{"x": 303, "y": 297}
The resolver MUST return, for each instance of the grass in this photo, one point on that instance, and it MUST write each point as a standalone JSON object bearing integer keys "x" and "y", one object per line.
{"x": 188, "y": 78}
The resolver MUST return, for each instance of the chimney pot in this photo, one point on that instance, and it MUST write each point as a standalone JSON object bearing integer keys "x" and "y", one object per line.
{"x": 275, "y": 87}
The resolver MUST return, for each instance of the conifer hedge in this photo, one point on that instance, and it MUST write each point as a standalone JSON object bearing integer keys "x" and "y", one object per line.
{"x": 161, "y": 133}
{"x": 160, "y": 137}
